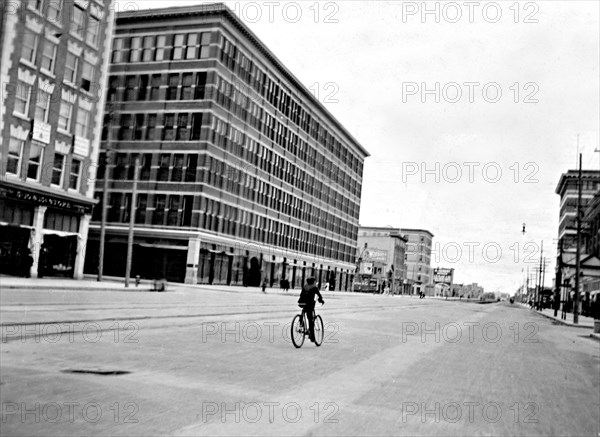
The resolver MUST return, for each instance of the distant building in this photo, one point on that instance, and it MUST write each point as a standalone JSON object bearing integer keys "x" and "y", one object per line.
{"x": 386, "y": 249}
{"x": 418, "y": 258}
{"x": 53, "y": 64}
{"x": 567, "y": 189}
{"x": 467, "y": 291}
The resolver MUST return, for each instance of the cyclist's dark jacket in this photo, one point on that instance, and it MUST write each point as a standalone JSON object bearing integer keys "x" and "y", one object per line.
{"x": 307, "y": 295}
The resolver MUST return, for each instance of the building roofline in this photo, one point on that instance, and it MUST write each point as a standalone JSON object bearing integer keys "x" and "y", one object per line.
{"x": 574, "y": 174}
{"x": 223, "y": 10}
{"x": 416, "y": 230}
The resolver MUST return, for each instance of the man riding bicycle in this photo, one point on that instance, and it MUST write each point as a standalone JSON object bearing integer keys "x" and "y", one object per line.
{"x": 307, "y": 302}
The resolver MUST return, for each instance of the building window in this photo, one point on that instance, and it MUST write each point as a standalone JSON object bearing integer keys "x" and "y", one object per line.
{"x": 200, "y": 85}
{"x": 35, "y": 5}
{"x": 160, "y": 201}
{"x": 178, "y": 46}
{"x": 140, "y": 210}
{"x": 53, "y": 11}
{"x": 30, "y": 42}
{"x": 186, "y": 87}
{"x": 161, "y": 46}
{"x": 193, "y": 44}
{"x": 74, "y": 174}
{"x": 119, "y": 53}
{"x": 77, "y": 21}
{"x": 204, "y": 49}
{"x": 57, "y": 169}
{"x": 173, "y": 84}
{"x": 136, "y": 49}
{"x": 177, "y": 173}
{"x": 143, "y": 86}
{"x": 36, "y": 154}
{"x": 87, "y": 76}
{"x": 93, "y": 31}
{"x": 148, "y": 51}
{"x": 190, "y": 169}
{"x": 155, "y": 87}
{"x": 168, "y": 127}
{"x": 22, "y": 98}
{"x": 49, "y": 56}
{"x": 82, "y": 123}
{"x": 151, "y": 127}
{"x": 139, "y": 126}
{"x": 163, "y": 170}
{"x": 182, "y": 130}
{"x": 196, "y": 125}
{"x": 130, "y": 88}
{"x": 15, "y": 151}
{"x": 71, "y": 63}
{"x": 66, "y": 114}
{"x": 126, "y": 129}
{"x": 42, "y": 105}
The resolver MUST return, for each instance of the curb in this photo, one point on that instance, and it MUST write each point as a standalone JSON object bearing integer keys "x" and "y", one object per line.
{"x": 562, "y": 322}
{"x": 595, "y": 336}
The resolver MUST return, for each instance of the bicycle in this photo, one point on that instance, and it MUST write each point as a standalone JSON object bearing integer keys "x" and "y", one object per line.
{"x": 300, "y": 328}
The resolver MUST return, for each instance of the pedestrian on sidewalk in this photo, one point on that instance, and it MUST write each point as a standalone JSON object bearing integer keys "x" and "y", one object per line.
{"x": 264, "y": 285}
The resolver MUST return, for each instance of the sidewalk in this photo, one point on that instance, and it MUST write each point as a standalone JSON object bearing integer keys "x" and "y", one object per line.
{"x": 111, "y": 283}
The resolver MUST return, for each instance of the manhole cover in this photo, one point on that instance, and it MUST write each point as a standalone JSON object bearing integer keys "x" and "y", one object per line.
{"x": 98, "y": 372}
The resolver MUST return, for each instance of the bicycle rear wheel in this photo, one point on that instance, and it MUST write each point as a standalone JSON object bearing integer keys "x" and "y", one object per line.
{"x": 319, "y": 331}
{"x": 297, "y": 331}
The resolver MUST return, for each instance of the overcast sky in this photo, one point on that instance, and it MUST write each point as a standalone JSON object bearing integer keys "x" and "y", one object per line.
{"x": 371, "y": 62}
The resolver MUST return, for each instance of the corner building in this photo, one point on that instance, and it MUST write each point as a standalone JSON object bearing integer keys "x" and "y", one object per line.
{"x": 53, "y": 60}
{"x": 244, "y": 175}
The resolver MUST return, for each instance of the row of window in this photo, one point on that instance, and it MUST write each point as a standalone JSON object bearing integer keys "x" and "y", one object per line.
{"x": 47, "y": 62}
{"x": 61, "y": 172}
{"x": 45, "y": 103}
{"x": 83, "y": 22}
{"x": 282, "y": 100}
{"x": 179, "y": 167}
{"x": 263, "y": 122}
{"x": 185, "y": 128}
{"x": 179, "y": 86}
{"x": 222, "y": 176}
{"x": 176, "y": 167}
{"x": 151, "y": 48}
{"x": 176, "y": 210}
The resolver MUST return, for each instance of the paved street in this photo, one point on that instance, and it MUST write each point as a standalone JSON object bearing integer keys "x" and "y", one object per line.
{"x": 207, "y": 362}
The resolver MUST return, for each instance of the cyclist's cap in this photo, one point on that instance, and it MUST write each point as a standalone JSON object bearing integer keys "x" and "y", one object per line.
{"x": 310, "y": 280}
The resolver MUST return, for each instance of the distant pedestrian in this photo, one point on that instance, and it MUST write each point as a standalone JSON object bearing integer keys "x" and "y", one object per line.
{"x": 264, "y": 285}
{"x": 28, "y": 262}
{"x": 286, "y": 285}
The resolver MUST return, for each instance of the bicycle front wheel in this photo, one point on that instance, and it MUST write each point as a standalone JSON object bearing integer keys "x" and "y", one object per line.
{"x": 297, "y": 331}
{"x": 319, "y": 331}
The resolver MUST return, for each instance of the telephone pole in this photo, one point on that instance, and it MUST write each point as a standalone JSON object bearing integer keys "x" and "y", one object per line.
{"x": 577, "y": 254}
{"x": 132, "y": 221}
{"x": 107, "y": 160}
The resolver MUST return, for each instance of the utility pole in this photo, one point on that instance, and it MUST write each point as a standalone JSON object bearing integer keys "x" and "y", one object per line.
{"x": 577, "y": 254}
{"x": 539, "y": 278}
{"x": 132, "y": 221}
{"x": 558, "y": 279}
{"x": 107, "y": 160}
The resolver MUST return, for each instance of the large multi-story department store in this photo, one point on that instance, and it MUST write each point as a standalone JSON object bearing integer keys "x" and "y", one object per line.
{"x": 244, "y": 175}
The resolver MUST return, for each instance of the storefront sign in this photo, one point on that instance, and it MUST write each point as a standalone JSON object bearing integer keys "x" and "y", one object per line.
{"x": 44, "y": 200}
{"x": 366, "y": 268}
{"x": 41, "y": 132}
{"x": 443, "y": 276}
{"x": 81, "y": 146}
{"x": 375, "y": 255}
